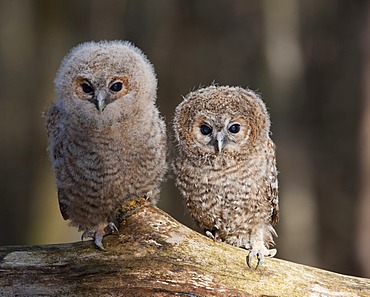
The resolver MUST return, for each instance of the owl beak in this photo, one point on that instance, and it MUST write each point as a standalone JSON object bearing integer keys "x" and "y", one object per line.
{"x": 220, "y": 141}
{"x": 101, "y": 104}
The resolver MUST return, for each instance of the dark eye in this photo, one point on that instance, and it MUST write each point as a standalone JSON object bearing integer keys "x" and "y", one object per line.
{"x": 205, "y": 130}
{"x": 235, "y": 128}
{"x": 116, "y": 87}
{"x": 86, "y": 88}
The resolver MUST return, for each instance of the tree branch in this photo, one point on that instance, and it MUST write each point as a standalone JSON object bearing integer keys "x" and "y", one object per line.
{"x": 154, "y": 255}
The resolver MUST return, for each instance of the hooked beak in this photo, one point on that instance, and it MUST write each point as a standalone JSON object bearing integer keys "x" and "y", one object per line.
{"x": 220, "y": 141}
{"x": 101, "y": 104}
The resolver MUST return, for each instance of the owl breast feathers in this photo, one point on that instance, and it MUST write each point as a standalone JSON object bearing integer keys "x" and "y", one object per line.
{"x": 226, "y": 168}
{"x": 107, "y": 141}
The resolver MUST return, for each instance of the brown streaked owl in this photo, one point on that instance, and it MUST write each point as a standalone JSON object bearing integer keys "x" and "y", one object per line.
{"x": 226, "y": 167}
{"x": 107, "y": 140}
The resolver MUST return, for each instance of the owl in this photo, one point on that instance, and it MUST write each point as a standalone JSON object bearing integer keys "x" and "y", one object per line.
{"x": 226, "y": 168}
{"x": 107, "y": 140}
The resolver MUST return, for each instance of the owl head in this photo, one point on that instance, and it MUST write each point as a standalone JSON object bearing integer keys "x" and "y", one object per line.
{"x": 105, "y": 81}
{"x": 221, "y": 119}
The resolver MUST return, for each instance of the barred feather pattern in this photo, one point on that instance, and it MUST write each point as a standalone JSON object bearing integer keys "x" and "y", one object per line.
{"x": 107, "y": 140}
{"x": 233, "y": 199}
{"x": 98, "y": 170}
{"x": 232, "y": 194}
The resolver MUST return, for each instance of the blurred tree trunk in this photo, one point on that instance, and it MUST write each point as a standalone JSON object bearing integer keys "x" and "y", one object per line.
{"x": 363, "y": 226}
{"x": 285, "y": 71}
{"x": 17, "y": 130}
{"x": 157, "y": 256}
{"x": 333, "y": 68}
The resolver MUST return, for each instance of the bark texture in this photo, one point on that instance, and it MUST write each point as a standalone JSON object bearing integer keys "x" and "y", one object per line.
{"x": 154, "y": 255}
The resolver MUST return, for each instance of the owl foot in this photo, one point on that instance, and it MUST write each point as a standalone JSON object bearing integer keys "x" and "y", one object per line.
{"x": 99, "y": 234}
{"x": 261, "y": 253}
{"x": 210, "y": 235}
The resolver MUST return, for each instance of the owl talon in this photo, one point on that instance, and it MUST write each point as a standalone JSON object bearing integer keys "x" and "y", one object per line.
{"x": 98, "y": 240}
{"x": 99, "y": 234}
{"x": 260, "y": 256}
{"x": 210, "y": 235}
{"x": 111, "y": 228}
{"x": 87, "y": 234}
{"x": 271, "y": 253}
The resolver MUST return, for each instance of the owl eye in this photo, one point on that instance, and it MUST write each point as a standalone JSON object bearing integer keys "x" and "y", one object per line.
{"x": 86, "y": 88}
{"x": 205, "y": 129}
{"x": 116, "y": 87}
{"x": 235, "y": 128}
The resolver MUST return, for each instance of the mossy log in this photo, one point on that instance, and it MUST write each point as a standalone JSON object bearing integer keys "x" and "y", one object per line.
{"x": 154, "y": 255}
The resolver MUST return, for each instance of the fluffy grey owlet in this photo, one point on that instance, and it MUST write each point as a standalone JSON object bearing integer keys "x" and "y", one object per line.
{"x": 107, "y": 141}
{"x": 226, "y": 168}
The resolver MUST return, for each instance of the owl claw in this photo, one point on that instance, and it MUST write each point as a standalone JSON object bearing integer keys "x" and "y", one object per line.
{"x": 210, "y": 235}
{"x": 260, "y": 256}
{"x": 87, "y": 234}
{"x": 111, "y": 228}
{"x": 99, "y": 234}
{"x": 98, "y": 240}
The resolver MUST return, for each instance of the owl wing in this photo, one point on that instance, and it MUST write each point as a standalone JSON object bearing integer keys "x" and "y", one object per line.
{"x": 54, "y": 132}
{"x": 273, "y": 195}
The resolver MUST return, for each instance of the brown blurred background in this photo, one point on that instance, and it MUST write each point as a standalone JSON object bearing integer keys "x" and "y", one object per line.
{"x": 310, "y": 59}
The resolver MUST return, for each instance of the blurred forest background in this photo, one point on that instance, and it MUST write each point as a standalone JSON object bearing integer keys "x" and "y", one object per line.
{"x": 310, "y": 59}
